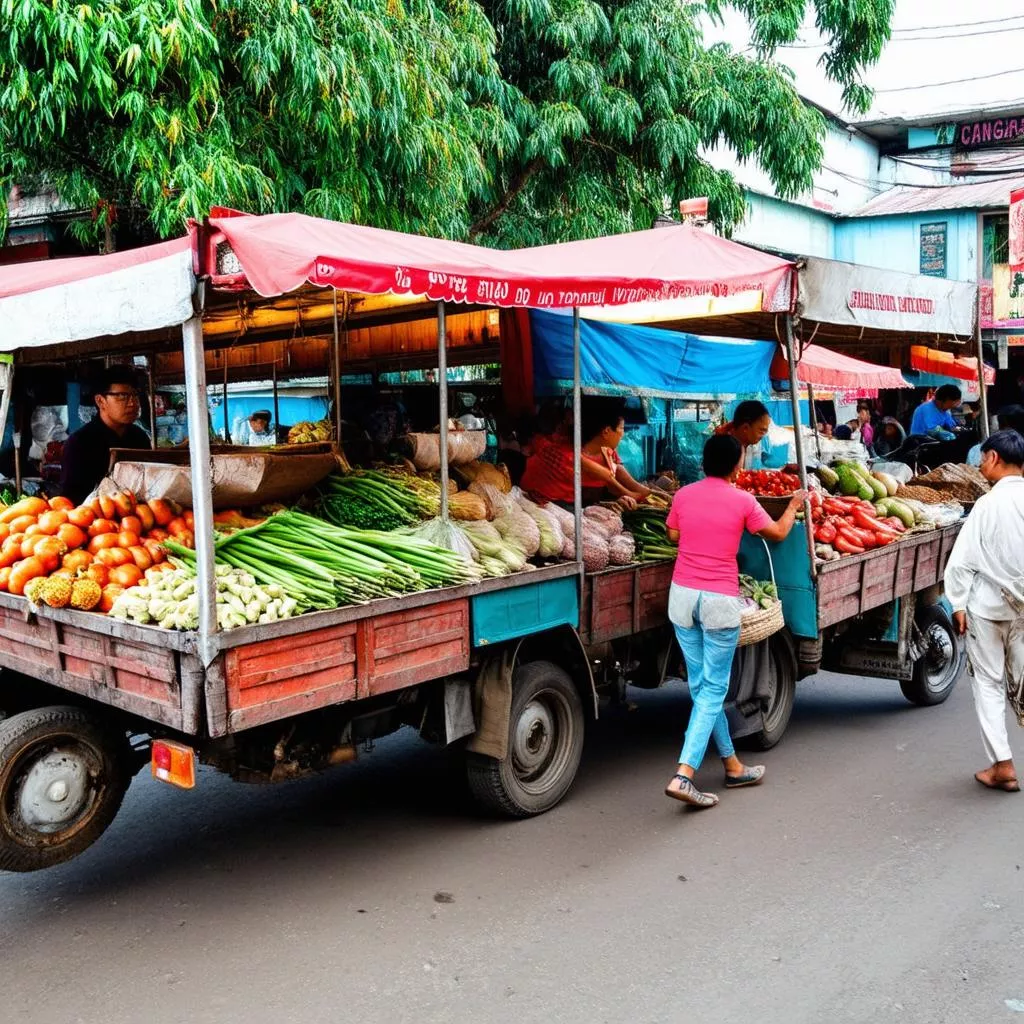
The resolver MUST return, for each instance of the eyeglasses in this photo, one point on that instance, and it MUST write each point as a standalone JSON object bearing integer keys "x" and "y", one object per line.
{"x": 123, "y": 396}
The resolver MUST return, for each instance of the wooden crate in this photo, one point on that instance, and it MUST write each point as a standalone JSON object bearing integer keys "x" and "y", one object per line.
{"x": 145, "y": 679}
{"x": 624, "y": 600}
{"x": 857, "y": 583}
{"x": 274, "y": 679}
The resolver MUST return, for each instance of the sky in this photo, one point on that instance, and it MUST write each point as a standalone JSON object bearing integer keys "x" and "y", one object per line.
{"x": 934, "y": 41}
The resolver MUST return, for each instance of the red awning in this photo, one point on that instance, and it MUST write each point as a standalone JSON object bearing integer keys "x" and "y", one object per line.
{"x": 825, "y": 368}
{"x": 53, "y": 301}
{"x": 278, "y": 253}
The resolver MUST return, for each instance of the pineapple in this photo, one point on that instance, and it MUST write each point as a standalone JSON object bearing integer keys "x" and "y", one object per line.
{"x": 33, "y": 587}
{"x": 85, "y": 594}
{"x": 56, "y": 592}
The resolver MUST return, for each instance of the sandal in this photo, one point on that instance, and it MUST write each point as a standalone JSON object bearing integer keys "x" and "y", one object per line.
{"x": 752, "y": 775}
{"x": 688, "y": 793}
{"x": 1006, "y": 785}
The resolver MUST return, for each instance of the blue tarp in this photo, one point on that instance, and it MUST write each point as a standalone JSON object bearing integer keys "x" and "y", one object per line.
{"x": 624, "y": 358}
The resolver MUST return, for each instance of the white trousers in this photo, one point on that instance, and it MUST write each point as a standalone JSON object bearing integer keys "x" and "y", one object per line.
{"x": 995, "y": 653}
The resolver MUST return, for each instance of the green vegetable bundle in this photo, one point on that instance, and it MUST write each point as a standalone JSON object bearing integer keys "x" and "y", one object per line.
{"x": 322, "y": 566}
{"x": 647, "y": 524}
{"x": 763, "y": 593}
{"x": 370, "y": 501}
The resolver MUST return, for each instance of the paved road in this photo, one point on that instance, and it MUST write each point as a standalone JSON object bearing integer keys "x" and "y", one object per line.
{"x": 869, "y": 880}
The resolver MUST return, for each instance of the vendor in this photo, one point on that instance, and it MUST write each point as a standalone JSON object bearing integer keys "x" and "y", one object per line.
{"x": 86, "y": 457}
{"x": 936, "y": 415}
{"x": 255, "y": 432}
{"x": 889, "y": 436}
{"x": 549, "y": 470}
{"x": 750, "y": 424}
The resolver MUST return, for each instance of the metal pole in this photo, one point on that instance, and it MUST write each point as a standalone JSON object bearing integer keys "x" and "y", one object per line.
{"x": 335, "y": 362}
{"x": 152, "y": 399}
{"x": 577, "y": 437}
{"x": 814, "y": 418}
{"x": 982, "y": 389}
{"x": 5, "y": 399}
{"x": 794, "y": 394}
{"x": 227, "y": 424}
{"x": 202, "y": 475}
{"x": 277, "y": 417}
{"x": 442, "y": 373}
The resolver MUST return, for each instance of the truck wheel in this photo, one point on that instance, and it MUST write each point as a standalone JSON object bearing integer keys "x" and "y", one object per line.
{"x": 545, "y": 743}
{"x": 781, "y": 694}
{"x": 63, "y": 775}
{"x": 938, "y": 669}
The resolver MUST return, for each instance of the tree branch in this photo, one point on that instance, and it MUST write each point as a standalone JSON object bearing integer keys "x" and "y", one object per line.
{"x": 516, "y": 185}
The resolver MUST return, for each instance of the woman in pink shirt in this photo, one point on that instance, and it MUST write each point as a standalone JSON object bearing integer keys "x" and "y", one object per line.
{"x": 707, "y": 519}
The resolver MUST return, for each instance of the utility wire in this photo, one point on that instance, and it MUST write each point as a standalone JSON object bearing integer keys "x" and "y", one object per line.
{"x": 953, "y": 81}
{"x": 960, "y": 24}
{"x": 913, "y": 39}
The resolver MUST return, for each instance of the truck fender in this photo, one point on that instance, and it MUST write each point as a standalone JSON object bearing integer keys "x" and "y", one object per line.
{"x": 493, "y": 689}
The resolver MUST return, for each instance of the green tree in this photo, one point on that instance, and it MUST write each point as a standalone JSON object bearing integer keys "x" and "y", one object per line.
{"x": 508, "y": 121}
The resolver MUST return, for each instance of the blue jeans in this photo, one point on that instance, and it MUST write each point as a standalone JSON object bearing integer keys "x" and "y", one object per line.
{"x": 708, "y": 655}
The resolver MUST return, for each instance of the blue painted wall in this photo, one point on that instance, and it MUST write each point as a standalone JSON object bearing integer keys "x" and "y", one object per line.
{"x": 894, "y": 243}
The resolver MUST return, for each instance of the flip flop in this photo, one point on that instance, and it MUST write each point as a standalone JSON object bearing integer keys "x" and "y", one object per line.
{"x": 1006, "y": 785}
{"x": 752, "y": 775}
{"x": 688, "y": 793}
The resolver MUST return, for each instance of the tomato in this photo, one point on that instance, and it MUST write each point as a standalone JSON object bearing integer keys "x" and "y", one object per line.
{"x": 98, "y": 573}
{"x": 81, "y": 517}
{"x": 22, "y": 523}
{"x": 75, "y": 560}
{"x": 101, "y": 526}
{"x": 102, "y": 541}
{"x": 113, "y": 557}
{"x": 23, "y": 571}
{"x": 111, "y": 592}
{"x": 127, "y": 539}
{"x": 141, "y": 557}
{"x": 51, "y": 522}
{"x": 133, "y": 524}
{"x": 145, "y": 516}
{"x": 73, "y": 536}
{"x": 126, "y": 575}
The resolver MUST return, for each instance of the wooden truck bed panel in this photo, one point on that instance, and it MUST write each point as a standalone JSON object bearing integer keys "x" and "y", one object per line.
{"x": 273, "y": 679}
{"x": 857, "y": 583}
{"x": 624, "y": 600}
{"x": 153, "y": 682}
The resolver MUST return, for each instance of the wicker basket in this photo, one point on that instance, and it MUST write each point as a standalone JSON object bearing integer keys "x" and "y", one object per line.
{"x": 774, "y": 506}
{"x": 759, "y": 625}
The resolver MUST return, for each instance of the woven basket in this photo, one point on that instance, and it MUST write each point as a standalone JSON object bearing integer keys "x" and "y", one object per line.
{"x": 774, "y": 506}
{"x": 759, "y": 625}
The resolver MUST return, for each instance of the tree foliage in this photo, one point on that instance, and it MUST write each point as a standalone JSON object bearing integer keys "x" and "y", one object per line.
{"x": 508, "y": 121}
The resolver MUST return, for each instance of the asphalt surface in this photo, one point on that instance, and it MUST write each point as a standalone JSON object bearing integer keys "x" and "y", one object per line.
{"x": 870, "y": 879}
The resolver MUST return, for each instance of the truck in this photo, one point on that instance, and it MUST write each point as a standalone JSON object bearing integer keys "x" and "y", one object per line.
{"x": 510, "y": 670}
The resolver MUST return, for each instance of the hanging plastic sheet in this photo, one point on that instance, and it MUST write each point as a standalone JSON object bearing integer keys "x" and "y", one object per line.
{"x": 627, "y": 359}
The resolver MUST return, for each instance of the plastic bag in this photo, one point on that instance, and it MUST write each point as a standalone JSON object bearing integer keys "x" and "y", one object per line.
{"x": 621, "y": 549}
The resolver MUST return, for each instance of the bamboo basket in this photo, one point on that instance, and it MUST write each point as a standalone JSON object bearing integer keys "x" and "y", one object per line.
{"x": 765, "y": 622}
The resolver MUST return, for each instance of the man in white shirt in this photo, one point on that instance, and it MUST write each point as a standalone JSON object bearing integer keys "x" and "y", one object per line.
{"x": 985, "y": 584}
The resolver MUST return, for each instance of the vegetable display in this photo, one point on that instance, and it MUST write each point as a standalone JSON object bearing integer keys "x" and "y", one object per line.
{"x": 650, "y": 533}
{"x": 768, "y": 483}
{"x": 373, "y": 501}
{"x": 763, "y": 593}
{"x": 168, "y": 598}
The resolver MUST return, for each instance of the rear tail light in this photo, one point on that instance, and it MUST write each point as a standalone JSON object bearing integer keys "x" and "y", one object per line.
{"x": 173, "y": 763}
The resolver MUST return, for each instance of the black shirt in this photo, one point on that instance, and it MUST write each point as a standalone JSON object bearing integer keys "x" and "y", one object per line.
{"x": 86, "y": 457}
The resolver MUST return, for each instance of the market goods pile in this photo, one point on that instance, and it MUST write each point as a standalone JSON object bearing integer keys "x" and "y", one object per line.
{"x": 111, "y": 541}
{"x": 167, "y": 597}
{"x": 768, "y": 483}
{"x": 647, "y": 524}
{"x": 762, "y": 594}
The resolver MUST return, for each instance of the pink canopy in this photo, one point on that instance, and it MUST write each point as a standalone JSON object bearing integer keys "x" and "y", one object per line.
{"x": 51, "y": 301}
{"x": 278, "y": 253}
{"x": 825, "y": 368}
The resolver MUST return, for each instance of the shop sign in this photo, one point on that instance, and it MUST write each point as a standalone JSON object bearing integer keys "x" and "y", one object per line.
{"x": 933, "y": 249}
{"x": 992, "y": 131}
{"x": 1017, "y": 230}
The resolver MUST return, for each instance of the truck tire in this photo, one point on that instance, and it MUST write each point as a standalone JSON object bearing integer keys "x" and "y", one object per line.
{"x": 63, "y": 775}
{"x": 545, "y": 743}
{"x": 938, "y": 669}
{"x": 782, "y": 693}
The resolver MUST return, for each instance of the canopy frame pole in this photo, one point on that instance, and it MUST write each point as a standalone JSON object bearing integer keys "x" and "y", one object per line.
{"x": 442, "y": 402}
{"x": 277, "y": 416}
{"x": 150, "y": 360}
{"x": 814, "y": 418}
{"x": 5, "y": 401}
{"x": 201, "y": 468}
{"x": 794, "y": 396}
{"x": 577, "y": 440}
{"x": 982, "y": 388}
{"x": 335, "y": 363}
{"x": 227, "y": 423}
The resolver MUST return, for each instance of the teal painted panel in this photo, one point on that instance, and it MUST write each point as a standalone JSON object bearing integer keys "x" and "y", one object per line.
{"x": 892, "y": 634}
{"x": 520, "y": 611}
{"x": 792, "y": 574}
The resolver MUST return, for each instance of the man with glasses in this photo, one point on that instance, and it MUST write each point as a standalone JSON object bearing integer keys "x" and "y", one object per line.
{"x": 86, "y": 457}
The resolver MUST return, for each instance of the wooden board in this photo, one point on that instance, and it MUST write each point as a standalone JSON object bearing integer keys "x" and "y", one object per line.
{"x": 142, "y": 679}
{"x": 625, "y": 600}
{"x": 275, "y": 679}
{"x": 858, "y": 583}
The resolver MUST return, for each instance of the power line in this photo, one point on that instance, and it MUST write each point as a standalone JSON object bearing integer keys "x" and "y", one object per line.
{"x": 959, "y": 24}
{"x": 913, "y": 39}
{"x": 953, "y": 81}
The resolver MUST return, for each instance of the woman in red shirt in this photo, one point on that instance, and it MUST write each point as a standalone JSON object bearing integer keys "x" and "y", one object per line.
{"x": 707, "y": 520}
{"x": 549, "y": 470}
